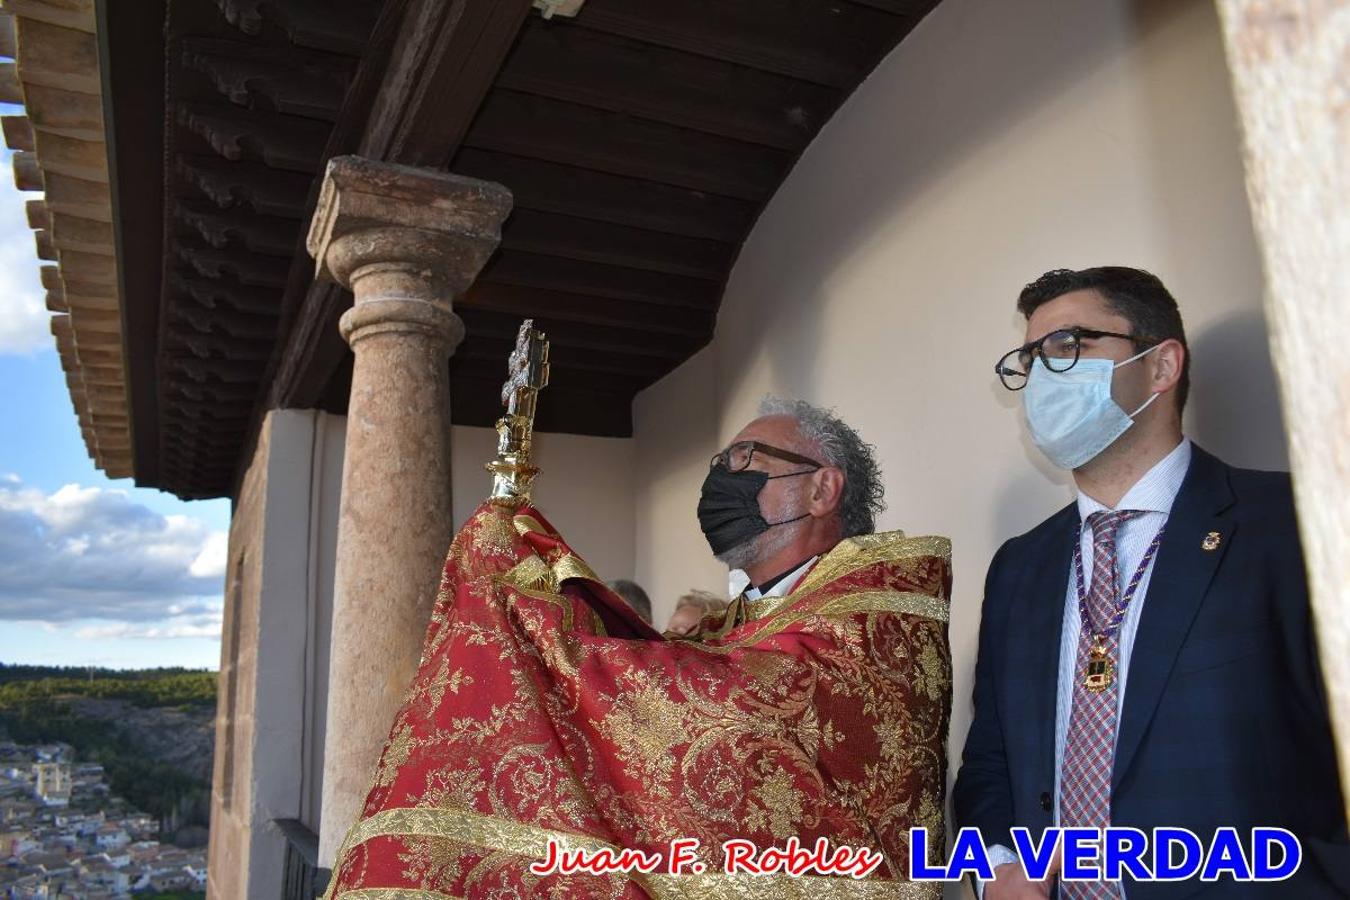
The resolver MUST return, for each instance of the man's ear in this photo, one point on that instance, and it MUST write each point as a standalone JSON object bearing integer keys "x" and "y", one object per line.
{"x": 827, "y": 489}
{"x": 1168, "y": 365}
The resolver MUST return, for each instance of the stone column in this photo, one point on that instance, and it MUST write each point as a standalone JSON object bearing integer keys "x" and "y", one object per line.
{"x": 1288, "y": 60}
{"x": 406, "y": 241}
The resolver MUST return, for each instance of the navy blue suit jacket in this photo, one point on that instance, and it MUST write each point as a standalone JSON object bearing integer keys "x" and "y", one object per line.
{"x": 1225, "y": 720}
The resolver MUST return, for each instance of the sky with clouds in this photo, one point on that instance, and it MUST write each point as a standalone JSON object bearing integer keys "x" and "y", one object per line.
{"x": 93, "y": 571}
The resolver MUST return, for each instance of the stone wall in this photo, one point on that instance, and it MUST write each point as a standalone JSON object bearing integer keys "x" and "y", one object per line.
{"x": 274, "y": 651}
{"x": 228, "y": 858}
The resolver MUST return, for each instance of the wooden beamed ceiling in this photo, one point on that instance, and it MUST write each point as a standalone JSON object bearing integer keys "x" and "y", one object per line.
{"x": 640, "y": 139}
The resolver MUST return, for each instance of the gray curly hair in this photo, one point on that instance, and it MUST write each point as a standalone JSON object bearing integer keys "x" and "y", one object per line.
{"x": 842, "y": 447}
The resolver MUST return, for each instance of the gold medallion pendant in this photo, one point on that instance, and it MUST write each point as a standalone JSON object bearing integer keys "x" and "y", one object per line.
{"x": 1101, "y": 672}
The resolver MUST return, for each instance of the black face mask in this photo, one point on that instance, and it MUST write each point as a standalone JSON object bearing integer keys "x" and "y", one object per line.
{"x": 728, "y": 507}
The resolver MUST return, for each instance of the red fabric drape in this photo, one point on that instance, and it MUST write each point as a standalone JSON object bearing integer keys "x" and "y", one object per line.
{"x": 543, "y": 708}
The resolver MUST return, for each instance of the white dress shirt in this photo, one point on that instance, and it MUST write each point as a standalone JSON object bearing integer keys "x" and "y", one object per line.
{"x": 1154, "y": 494}
{"x": 738, "y": 582}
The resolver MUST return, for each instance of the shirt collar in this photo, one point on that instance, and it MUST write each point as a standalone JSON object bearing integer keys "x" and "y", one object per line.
{"x": 1156, "y": 491}
{"x": 739, "y": 583}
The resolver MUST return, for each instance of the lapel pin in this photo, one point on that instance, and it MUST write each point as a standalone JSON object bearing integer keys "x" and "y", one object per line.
{"x": 1211, "y": 541}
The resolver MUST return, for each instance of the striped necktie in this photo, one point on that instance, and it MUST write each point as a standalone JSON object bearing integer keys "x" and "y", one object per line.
{"x": 1085, "y": 780}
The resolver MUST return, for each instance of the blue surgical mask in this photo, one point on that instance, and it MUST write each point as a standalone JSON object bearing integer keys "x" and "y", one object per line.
{"x": 1071, "y": 415}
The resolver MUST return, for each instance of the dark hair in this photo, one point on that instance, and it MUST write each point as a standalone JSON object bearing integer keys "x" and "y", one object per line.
{"x": 1137, "y": 296}
{"x": 636, "y": 597}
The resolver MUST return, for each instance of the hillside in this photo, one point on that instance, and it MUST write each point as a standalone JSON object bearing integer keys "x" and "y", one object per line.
{"x": 151, "y": 729}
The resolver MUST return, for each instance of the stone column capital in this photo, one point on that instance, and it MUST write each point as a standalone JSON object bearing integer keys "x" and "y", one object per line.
{"x": 399, "y": 315}
{"x": 425, "y": 234}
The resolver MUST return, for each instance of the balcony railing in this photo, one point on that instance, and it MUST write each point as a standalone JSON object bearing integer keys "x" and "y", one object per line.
{"x": 304, "y": 880}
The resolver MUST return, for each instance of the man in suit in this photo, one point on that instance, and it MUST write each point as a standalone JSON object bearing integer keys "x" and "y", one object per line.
{"x": 1146, "y": 655}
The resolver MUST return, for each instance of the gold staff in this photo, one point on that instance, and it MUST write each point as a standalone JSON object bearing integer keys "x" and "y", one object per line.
{"x": 527, "y": 375}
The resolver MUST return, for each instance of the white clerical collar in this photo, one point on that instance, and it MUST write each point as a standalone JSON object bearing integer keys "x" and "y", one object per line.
{"x": 1156, "y": 491}
{"x": 738, "y": 582}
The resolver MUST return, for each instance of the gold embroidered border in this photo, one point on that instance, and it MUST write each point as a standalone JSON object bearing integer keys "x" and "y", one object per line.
{"x": 864, "y": 550}
{"x": 519, "y": 577}
{"x": 558, "y": 600}
{"x": 531, "y": 841}
{"x": 525, "y": 524}
{"x": 470, "y": 827}
{"x": 395, "y": 894}
{"x": 847, "y": 557}
{"x": 531, "y": 573}
{"x": 900, "y": 602}
{"x": 534, "y": 573}
{"x": 773, "y": 887}
{"x": 573, "y": 566}
{"x": 904, "y": 602}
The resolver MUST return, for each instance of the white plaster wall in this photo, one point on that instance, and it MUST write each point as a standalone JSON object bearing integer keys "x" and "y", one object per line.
{"x": 325, "y": 496}
{"x": 676, "y": 428}
{"x": 997, "y": 141}
{"x": 286, "y": 527}
{"x": 282, "y": 673}
{"x": 585, "y": 488}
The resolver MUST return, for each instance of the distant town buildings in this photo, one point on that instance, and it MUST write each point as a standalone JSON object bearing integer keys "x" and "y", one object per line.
{"x": 65, "y": 836}
{"x": 53, "y": 782}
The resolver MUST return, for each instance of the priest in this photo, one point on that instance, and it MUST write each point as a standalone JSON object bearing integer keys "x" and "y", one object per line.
{"x": 550, "y": 728}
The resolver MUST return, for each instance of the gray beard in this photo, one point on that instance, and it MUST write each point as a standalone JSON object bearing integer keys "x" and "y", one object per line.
{"x": 761, "y": 546}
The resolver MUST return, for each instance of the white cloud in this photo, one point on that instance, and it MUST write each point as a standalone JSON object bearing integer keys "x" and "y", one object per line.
{"x": 93, "y": 553}
{"x": 24, "y": 319}
{"x": 210, "y": 563}
{"x": 206, "y": 625}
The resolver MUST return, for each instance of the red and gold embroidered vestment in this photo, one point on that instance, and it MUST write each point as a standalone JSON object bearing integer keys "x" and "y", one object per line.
{"x": 543, "y": 709}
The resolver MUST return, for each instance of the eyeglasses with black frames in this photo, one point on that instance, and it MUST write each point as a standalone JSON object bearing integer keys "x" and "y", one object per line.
{"x": 1058, "y": 351}
{"x": 738, "y": 456}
